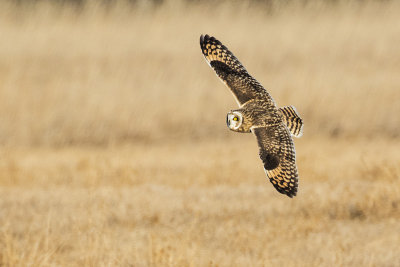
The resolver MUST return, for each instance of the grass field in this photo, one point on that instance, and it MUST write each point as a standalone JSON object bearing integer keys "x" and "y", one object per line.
{"x": 115, "y": 152}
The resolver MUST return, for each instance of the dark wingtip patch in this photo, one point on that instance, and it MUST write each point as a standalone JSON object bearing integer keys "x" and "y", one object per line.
{"x": 209, "y": 39}
{"x": 201, "y": 39}
{"x": 270, "y": 161}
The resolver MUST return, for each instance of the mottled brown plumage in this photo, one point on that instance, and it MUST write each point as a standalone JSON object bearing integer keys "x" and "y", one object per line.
{"x": 292, "y": 120}
{"x": 278, "y": 155}
{"x": 244, "y": 87}
{"x": 259, "y": 114}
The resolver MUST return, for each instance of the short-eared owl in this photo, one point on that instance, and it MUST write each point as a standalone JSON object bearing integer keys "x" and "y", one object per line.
{"x": 258, "y": 113}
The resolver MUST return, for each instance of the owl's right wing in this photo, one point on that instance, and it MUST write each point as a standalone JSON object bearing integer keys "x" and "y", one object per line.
{"x": 228, "y": 68}
{"x": 279, "y": 157}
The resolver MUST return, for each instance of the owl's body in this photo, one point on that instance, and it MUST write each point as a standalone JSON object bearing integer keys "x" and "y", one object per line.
{"x": 258, "y": 113}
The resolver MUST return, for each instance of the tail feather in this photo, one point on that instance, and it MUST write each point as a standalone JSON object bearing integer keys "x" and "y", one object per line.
{"x": 292, "y": 120}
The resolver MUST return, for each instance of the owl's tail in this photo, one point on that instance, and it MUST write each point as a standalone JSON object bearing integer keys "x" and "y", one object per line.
{"x": 292, "y": 120}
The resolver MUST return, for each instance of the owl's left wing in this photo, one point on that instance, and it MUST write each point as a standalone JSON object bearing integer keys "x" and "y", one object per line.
{"x": 228, "y": 68}
{"x": 279, "y": 157}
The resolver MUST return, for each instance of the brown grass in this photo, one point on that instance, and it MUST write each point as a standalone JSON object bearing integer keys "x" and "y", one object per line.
{"x": 115, "y": 150}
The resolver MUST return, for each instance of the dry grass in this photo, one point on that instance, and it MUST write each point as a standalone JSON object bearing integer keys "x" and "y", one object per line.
{"x": 200, "y": 204}
{"x": 109, "y": 158}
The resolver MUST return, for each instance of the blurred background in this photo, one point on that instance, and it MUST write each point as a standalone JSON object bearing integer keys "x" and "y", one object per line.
{"x": 105, "y": 72}
{"x": 115, "y": 151}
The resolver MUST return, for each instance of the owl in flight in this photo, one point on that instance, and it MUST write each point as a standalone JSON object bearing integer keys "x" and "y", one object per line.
{"x": 258, "y": 114}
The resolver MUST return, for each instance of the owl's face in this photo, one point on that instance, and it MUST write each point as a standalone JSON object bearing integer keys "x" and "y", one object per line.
{"x": 234, "y": 120}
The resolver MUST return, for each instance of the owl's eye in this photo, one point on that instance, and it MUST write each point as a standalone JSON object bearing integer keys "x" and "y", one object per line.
{"x": 235, "y": 118}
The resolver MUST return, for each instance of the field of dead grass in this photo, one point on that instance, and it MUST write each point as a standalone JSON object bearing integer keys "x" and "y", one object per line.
{"x": 199, "y": 204}
{"x": 114, "y": 148}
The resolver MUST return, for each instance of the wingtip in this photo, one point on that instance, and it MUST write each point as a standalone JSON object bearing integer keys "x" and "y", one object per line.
{"x": 290, "y": 194}
{"x": 204, "y": 38}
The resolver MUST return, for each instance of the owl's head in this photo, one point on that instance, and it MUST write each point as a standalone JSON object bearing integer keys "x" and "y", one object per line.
{"x": 234, "y": 120}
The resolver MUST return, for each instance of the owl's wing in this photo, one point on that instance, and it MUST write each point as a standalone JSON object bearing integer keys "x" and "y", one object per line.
{"x": 279, "y": 157}
{"x": 228, "y": 68}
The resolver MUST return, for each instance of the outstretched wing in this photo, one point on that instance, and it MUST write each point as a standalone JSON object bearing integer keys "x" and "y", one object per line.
{"x": 279, "y": 157}
{"x": 228, "y": 68}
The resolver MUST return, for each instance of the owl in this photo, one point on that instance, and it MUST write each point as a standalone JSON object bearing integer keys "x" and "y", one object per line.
{"x": 273, "y": 127}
